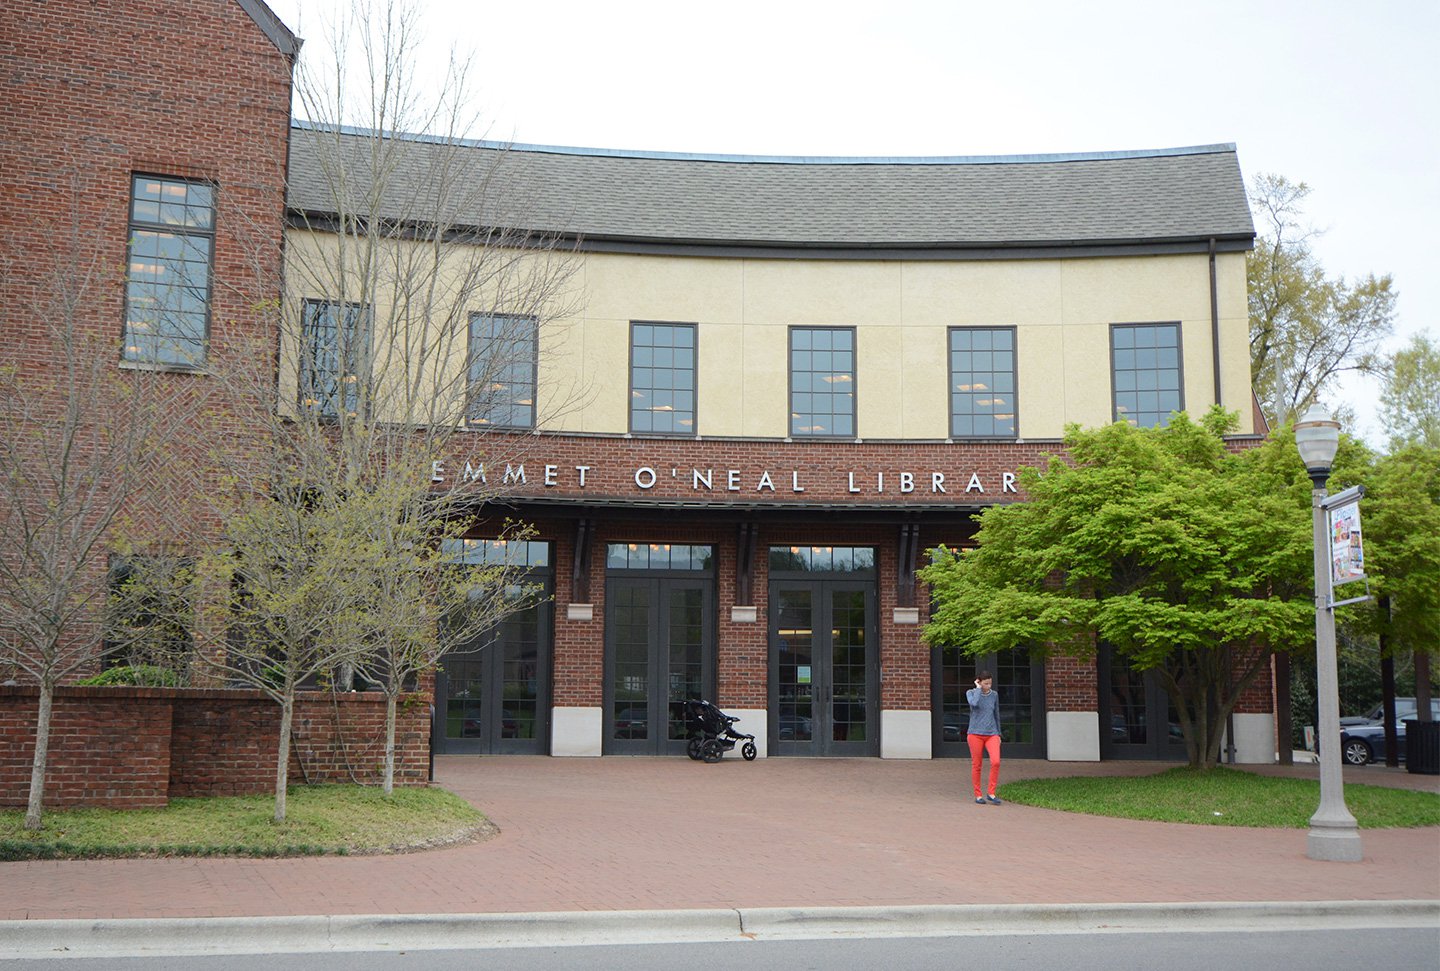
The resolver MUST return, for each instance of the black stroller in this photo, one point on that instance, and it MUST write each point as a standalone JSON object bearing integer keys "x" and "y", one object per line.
{"x": 712, "y": 734}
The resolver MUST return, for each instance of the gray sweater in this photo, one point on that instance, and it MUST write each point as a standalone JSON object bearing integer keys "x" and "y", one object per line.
{"x": 984, "y": 712}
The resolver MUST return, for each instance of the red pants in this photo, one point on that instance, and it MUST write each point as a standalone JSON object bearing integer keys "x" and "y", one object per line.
{"x": 979, "y": 745}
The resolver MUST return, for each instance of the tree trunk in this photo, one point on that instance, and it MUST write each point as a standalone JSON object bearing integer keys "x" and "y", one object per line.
{"x": 1422, "y": 687}
{"x": 1387, "y": 706}
{"x": 389, "y": 743}
{"x": 282, "y": 762}
{"x": 35, "y": 807}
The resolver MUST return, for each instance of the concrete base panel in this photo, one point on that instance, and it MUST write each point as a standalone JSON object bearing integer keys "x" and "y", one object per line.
{"x": 1072, "y": 736}
{"x": 1333, "y": 845}
{"x": 1254, "y": 739}
{"x": 753, "y": 721}
{"x": 905, "y": 735}
{"x": 575, "y": 731}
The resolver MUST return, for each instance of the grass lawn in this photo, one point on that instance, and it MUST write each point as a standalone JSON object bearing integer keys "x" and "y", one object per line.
{"x": 1222, "y": 797}
{"x": 319, "y": 820}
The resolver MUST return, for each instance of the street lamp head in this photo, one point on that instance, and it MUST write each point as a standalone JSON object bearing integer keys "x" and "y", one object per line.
{"x": 1317, "y": 436}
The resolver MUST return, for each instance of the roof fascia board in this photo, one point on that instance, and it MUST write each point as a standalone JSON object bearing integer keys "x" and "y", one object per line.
{"x": 1079, "y": 249}
{"x": 949, "y": 252}
{"x": 1220, "y": 148}
{"x": 272, "y": 26}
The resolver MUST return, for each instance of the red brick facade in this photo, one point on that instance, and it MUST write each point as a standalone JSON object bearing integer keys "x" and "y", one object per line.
{"x": 133, "y": 747}
{"x": 97, "y": 93}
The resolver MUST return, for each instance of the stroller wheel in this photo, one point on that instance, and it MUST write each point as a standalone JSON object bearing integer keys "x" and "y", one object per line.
{"x": 748, "y": 750}
{"x": 711, "y": 751}
{"x": 695, "y": 748}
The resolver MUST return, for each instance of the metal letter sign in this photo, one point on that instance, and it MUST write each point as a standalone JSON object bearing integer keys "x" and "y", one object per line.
{"x": 1347, "y": 554}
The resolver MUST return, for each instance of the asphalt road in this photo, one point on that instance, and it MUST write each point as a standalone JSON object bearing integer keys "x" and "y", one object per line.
{"x": 1313, "y": 950}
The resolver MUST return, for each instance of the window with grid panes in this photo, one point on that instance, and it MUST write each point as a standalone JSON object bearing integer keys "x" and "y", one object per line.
{"x": 167, "y": 280}
{"x": 982, "y": 382}
{"x": 822, "y": 381}
{"x": 332, "y": 356}
{"x": 503, "y": 354}
{"x": 662, "y": 378}
{"x": 1145, "y": 373}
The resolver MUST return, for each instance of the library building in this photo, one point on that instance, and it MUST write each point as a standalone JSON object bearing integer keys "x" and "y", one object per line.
{"x": 778, "y": 383}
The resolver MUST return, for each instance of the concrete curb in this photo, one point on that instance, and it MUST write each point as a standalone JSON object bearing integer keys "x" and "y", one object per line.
{"x": 33, "y": 939}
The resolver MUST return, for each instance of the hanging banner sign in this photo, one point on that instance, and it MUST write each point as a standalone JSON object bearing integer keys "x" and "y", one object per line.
{"x": 1347, "y": 553}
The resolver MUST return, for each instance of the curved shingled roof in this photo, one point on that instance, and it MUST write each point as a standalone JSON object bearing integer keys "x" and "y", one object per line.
{"x": 1162, "y": 198}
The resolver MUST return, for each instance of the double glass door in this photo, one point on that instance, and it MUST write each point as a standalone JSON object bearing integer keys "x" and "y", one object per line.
{"x": 824, "y": 668}
{"x": 1020, "y": 682}
{"x": 1137, "y": 718}
{"x": 496, "y": 692}
{"x": 659, "y": 640}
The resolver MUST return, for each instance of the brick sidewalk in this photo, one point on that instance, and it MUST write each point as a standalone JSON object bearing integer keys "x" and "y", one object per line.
{"x": 637, "y": 833}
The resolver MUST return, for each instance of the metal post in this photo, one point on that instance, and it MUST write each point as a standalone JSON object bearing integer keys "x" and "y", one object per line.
{"x": 1333, "y": 832}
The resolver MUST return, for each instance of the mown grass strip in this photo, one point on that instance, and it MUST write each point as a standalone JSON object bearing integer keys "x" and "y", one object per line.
{"x": 320, "y": 820}
{"x": 1222, "y": 797}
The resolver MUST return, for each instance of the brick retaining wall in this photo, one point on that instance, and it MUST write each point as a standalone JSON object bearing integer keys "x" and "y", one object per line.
{"x": 133, "y": 747}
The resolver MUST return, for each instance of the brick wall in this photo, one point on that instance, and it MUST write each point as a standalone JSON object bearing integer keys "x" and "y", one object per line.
{"x": 94, "y": 94}
{"x": 131, "y": 747}
{"x": 1071, "y": 684}
{"x": 893, "y": 474}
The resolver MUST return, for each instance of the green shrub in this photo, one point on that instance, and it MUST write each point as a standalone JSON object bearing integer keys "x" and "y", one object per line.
{"x": 135, "y": 675}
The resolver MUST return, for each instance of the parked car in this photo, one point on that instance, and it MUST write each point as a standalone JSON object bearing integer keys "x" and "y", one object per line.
{"x": 1360, "y": 744}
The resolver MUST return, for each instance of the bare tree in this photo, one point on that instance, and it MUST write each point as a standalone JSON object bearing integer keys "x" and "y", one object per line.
{"x": 82, "y": 442}
{"x": 429, "y": 597}
{"x": 416, "y": 302}
{"x": 283, "y": 590}
{"x": 1305, "y": 327}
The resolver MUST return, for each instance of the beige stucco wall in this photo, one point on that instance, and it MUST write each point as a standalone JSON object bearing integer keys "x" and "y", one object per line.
{"x": 420, "y": 308}
{"x": 1062, "y": 310}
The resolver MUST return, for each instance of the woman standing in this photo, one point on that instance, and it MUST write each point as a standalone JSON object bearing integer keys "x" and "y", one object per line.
{"x": 984, "y": 734}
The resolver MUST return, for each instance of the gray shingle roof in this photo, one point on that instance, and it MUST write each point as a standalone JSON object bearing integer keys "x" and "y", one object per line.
{"x": 1163, "y": 196}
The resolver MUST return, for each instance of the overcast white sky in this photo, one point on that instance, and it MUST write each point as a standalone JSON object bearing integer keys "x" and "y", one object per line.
{"x": 1342, "y": 95}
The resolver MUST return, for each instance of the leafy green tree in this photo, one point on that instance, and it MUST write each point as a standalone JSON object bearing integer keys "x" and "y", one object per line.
{"x": 1402, "y": 534}
{"x": 1305, "y": 326}
{"x": 1186, "y": 559}
{"x": 1411, "y": 398}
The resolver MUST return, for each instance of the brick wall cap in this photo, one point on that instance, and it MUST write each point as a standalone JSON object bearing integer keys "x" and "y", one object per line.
{"x": 210, "y": 694}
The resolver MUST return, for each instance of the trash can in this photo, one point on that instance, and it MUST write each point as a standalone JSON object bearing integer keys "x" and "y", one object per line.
{"x": 1422, "y": 747}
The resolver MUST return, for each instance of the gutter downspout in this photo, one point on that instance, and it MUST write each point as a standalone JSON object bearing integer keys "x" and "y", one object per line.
{"x": 1214, "y": 322}
{"x": 1215, "y": 362}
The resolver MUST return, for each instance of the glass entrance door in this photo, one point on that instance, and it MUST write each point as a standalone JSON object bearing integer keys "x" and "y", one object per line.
{"x": 1021, "y": 684}
{"x": 824, "y": 668}
{"x": 496, "y": 693}
{"x": 660, "y": 636}
{"x": 493, "y": 695}
{"x": 1137, "y": 720}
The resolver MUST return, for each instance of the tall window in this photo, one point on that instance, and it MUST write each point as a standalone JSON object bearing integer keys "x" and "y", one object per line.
{"x": 167, "y": 283}
{"x": 1145, "y": 368}
{"x": 503, "y": 352}
{"x": 662, "y": 378}
{"x": 148, "y": 616}
{"x": 982, "y": 382}
{"x": 822, "y": 381}
{"x": 333, "y": 356}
